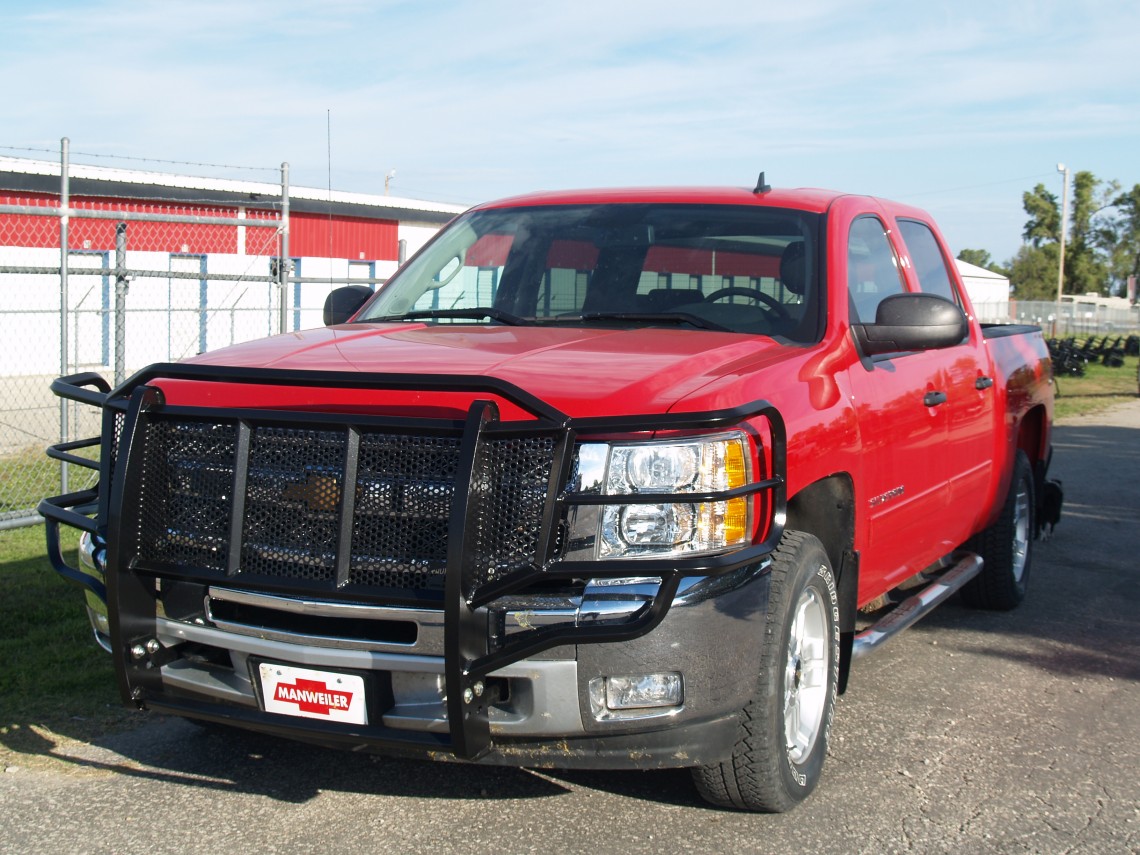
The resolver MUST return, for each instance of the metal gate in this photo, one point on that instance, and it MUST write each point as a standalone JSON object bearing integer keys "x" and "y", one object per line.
{"x": 90, "y": 286}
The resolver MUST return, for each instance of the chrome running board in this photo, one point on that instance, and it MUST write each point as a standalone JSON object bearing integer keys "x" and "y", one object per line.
{"x": 910, "y": 610}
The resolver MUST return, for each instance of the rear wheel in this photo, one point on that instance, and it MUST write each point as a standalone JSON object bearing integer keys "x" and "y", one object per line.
{"x": 1006, "y": 546}
{"x": 785, "y": 727}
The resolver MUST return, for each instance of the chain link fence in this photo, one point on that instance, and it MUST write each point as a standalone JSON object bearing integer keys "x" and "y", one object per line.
{"x": 1076, "y": 316}
{"x": 90, "y": 284}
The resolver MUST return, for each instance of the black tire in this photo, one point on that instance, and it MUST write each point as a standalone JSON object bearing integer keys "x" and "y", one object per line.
{"x": 1006, "y": 546}
{"x": 771, "y": 770}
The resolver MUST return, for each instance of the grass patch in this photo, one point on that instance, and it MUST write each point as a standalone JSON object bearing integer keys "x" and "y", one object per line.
{"x": 29, "y": 475}
{"x": 54, "y": 678}
{"x": 1100, "y": 389}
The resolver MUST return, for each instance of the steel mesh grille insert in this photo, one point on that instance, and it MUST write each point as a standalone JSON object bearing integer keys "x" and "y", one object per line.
{"x": 292, "y": 503}
{"x": 403, "y": 498}
{"x": 405, "y": 486}
{"x": 187, "y": 478}
{"x": 511, "y": 480}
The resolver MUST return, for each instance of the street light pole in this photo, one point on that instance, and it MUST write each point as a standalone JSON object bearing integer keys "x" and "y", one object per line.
{"x": 1064, "y": 170}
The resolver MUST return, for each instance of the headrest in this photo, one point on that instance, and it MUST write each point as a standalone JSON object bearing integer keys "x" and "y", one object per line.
{"x": 793, "y": 267}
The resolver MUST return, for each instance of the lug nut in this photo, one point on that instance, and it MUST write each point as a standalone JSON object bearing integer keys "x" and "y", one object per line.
{"x": 152, "y": 646}
{"x": 468, "y": 696}
{"x": 479, "y": 688}
{"x": 138, "y": 651}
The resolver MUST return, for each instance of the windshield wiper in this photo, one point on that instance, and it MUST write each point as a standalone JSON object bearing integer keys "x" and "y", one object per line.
{"x": 646, "y": 317}
{"x": 473, "y": 314}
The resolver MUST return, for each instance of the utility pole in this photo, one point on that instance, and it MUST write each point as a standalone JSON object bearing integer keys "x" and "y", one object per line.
{"x": 1064, "y": 170}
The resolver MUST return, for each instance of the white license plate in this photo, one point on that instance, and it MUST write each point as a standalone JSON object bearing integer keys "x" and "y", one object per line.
{"x": 313, "y": 694}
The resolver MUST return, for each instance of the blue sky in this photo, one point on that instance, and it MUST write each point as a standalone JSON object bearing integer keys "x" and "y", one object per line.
{"x": 957, "y": 107}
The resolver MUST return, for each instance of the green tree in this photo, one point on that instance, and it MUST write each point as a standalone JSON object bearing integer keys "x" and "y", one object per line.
{"x": 1125, "y": 253}
{"x": 1033, "y": 272}
{"x": 1091, "y": 236}
{"x": 981, "y": 258}
{"x": 1044, "y": 224}
{"x": 1093, "y": 255}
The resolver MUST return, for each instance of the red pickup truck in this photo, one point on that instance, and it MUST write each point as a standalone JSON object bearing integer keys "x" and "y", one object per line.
{"x": 599, "y": 479}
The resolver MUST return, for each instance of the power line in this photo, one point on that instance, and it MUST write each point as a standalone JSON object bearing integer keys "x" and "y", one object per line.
{"x": 979, "y": 186}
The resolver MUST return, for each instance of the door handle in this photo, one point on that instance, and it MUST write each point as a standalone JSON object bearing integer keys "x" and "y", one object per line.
{"x": 933, "y": 399}
{"x": 983, "y": 383}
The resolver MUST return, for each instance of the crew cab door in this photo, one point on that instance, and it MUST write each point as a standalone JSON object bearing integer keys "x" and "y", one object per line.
{"x": 971, "y": 406}
{"x": 903, "y": 424}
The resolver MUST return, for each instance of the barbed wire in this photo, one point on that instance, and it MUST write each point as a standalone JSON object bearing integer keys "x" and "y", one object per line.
{"x": 145, "y": 159}
{"x": 265, "y": 198}
{"x": 29, "y": 148}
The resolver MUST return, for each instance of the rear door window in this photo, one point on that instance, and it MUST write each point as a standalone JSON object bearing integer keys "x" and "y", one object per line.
{"x": 927, "y": 260}
{"x": 873, "y": 272}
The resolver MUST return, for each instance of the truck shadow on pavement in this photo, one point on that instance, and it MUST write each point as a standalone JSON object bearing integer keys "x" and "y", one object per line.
{"x": 227, "y": 760}
{"x": 1081, "y": 615}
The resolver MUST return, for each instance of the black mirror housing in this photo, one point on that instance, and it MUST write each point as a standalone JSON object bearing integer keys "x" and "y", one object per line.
{"x": 908, "y": 322}
{"x": 342, "y": 303}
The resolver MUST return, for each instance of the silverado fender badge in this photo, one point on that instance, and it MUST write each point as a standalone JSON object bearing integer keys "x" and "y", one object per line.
{"x": 883, "y": 498}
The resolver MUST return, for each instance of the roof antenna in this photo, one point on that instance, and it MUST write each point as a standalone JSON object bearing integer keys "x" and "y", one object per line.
{"x": 761, "y": 186}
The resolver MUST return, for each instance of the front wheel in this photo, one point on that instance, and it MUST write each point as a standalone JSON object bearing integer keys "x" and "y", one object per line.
{"x": 785, "y": 727}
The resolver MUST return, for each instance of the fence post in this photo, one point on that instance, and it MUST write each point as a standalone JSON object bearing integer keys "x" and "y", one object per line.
{"x": 285, "y": 264}
{"x": 64, "y": 205}
{"x": 121, "y": 288}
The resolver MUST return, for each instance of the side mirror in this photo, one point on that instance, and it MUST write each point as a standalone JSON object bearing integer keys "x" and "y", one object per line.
{"x": 342, "y": 303}
{"x": 912, "y": 322}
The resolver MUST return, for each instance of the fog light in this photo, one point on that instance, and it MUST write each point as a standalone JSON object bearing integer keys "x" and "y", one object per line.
{"x": 635, "y": 692}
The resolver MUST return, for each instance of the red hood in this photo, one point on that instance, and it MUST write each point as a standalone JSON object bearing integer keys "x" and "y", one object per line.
{"x": 580, "y": 371}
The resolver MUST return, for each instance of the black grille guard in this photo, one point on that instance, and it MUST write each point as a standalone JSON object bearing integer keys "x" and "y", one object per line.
{"x": 469, "y": 650}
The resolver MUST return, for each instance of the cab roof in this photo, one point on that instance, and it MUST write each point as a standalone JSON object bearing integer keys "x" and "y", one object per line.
{"x": 805, "y": 199}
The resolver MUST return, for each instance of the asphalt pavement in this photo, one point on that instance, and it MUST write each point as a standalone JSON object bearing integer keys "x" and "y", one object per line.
{"x": 972, "y": 732}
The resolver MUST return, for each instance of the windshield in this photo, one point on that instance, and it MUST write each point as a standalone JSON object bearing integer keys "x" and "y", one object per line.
{"x": 733, "y": 268}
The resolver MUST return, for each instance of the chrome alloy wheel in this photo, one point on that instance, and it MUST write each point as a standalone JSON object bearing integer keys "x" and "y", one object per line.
{"x": 805, "y": 677}
{"x": 1021, "y": 532}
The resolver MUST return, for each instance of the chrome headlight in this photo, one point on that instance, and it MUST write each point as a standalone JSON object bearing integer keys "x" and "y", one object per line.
{"x": 659, "y": 529}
